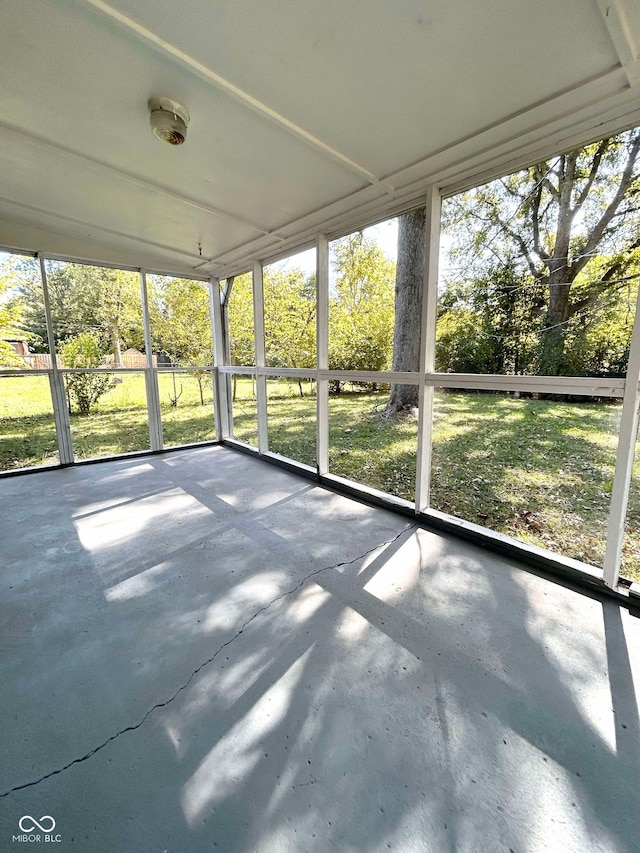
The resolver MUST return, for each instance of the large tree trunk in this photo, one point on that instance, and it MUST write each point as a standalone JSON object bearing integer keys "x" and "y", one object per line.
{"x": 559, "y": 278}
{"x": 115, "y": 345}
{"x": 555, "y": 327}
{"x": 408, "y": 308}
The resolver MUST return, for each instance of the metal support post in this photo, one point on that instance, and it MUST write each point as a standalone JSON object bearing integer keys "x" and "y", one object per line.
{"x": 428, "y": 346}
{"x": 154, "y": 416}
{"x": 261, "y": 380}
{"x": 220, "y": 335}
{"x": 56, "y": 381}
{"x": 322, "y": 337}
{"x": 624, "y": 459}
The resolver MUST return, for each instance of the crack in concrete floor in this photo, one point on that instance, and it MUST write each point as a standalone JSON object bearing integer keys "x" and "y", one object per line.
{"x": 205, "y": 663}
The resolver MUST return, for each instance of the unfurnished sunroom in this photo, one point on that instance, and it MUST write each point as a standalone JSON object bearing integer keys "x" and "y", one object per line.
{"x": 343, "y": 298}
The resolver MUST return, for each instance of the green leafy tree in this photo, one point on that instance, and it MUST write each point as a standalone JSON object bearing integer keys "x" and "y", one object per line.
{"x": 290, "y": 319}
{"x": 84, "y": 389}
{"x": 598, "y": 342}
{"x": 32, "y": 302}
{"x": 238, "y": 309}
{"x": 361, "y": 308}
{"x": 10, "y": 317}
{"x": 181, "y": 326}
{"x": 571, "y": 223}
{"x": 238, "y": 317}
{"x": 104, "y": 302}
{"x": 180, "y": 321}
{"x": 460, "y": 346}
{"x": 489, "y": 325}
{"x": 494, "y": 325}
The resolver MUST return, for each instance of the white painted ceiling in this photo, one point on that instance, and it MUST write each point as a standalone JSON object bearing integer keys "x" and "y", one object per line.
{"x": 306, "y": 115}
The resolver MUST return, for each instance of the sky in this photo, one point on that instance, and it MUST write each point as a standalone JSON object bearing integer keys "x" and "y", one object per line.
{"x": 385, "y": 234}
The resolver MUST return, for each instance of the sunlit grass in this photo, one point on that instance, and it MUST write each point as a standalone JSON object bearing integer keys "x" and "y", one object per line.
{"x": 27, "y": 428}
{"x": 116, "y": 424}
{"x": 367, "y": 447}
{"x": 539, "y": 470}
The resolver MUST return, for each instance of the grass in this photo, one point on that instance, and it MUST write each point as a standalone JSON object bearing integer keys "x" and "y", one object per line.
{"x": 27, "y": 430}
{"x": 116, "y": 424}
{"x": 539, "y": 470}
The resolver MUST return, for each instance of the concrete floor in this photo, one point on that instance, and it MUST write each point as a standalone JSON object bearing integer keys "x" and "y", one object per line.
{"x": 201, "y": 652}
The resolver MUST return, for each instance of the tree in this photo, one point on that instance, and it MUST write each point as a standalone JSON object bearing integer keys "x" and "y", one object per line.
{"x": 460, "y": 345}
{"x": 489, "y": 325}
{"x": 290, "y": 319}
{"x": 32, "y": 302}
{"x": 84, "y": 388}
{"x": 408, "y": 309}
{"x": 10, "y": 316}
{"x": 598, "y": 344}
{"x": 238, "y": 308}
{"x": 105, "y": 302}
{"x": 180, "y": 320}
{"x": 181, "y": 325}
{"x": 570, "y": 223}
{"x": 361, "y": 308}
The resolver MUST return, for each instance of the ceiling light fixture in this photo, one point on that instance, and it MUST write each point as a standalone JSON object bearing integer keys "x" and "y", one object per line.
{"x": 168, "y": 120}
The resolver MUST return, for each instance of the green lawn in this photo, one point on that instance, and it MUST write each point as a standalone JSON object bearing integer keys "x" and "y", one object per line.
{"x": 27, "y": 431}
{"x": 538, "y": 470}
{"x": 116, "y": 424}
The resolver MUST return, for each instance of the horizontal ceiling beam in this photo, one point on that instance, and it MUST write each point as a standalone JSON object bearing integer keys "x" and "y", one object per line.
{"x": 106, "y": 253}
{"x": 516, "y": 126}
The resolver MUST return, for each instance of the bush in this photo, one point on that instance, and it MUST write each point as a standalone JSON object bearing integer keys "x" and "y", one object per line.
{"x": 84, "y": 389}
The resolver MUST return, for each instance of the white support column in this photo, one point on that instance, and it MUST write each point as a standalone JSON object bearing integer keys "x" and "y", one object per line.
{"x": 428, "y": 346}
{"x": 223, "y": 426}
{"x": 322, "y": 344}
{"x": 261, "y": 381}
{"x": 150, "y": 374}
{"x": 224, "y": 302}
{"x": 624, "y": 459}
{"x": 56, "y": 381}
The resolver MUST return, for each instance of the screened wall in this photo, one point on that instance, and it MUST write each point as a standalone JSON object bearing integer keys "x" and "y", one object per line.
{"x": 311, "y": 366}
{"x": 100, "y": 362}
{"x": 500, "y": 433}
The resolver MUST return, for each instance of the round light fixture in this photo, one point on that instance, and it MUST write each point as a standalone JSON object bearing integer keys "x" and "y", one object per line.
{"x": 168, "y": 120}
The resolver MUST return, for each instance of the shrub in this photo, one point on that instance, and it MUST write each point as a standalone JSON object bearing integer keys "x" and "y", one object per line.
{"x": 84, "y": 389}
